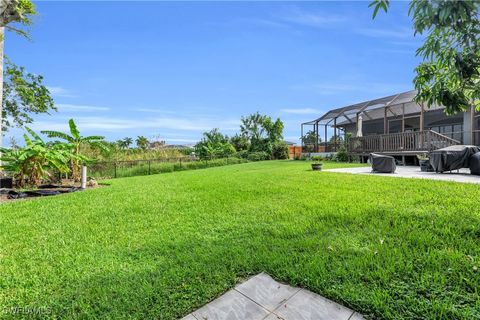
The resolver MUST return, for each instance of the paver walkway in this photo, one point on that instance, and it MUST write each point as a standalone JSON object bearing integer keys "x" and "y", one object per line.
{"x": 463, "y": 175}
{"x": 261, "y": 297}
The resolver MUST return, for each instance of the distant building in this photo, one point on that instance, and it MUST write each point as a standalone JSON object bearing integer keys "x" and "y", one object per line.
{"x": 177, "y": 146}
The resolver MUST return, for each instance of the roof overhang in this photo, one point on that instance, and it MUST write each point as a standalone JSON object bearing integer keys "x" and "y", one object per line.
{"x": 395, "y": 105}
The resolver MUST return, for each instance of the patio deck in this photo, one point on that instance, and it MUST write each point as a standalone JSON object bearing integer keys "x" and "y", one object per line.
{"x": 262, "y": 298}
{"x": 463, "y": 175}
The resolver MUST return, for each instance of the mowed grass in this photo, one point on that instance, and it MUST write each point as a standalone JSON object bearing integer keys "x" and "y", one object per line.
{"x": 161, "y": 246}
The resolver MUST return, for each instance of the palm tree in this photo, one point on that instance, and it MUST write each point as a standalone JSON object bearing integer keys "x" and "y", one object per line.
{"x": 142, "y": 142}
{"x": 75, "y": 140}
{"x": 126, "y": 142}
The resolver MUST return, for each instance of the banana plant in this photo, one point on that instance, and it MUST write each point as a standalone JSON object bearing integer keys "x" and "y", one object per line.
{"x": 76, "y": 141}
{"x": 33, "y": 163}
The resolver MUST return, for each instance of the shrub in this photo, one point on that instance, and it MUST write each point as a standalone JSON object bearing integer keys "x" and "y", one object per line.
{"x": 258, "y": 156}
{"x": 33, "y": 163}
{"x": 302, "y": 157}
{"x": 342, "y": 155}
{"x": 280, "y": 150}
{"x": 242, "y": 154}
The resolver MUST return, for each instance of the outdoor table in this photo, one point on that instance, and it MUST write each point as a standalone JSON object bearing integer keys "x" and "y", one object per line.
{"x": 475, "y": 164}
{"x": 452, "y": 158}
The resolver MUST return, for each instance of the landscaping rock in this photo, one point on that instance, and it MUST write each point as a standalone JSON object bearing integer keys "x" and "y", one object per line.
{"x": 92, "y": 183}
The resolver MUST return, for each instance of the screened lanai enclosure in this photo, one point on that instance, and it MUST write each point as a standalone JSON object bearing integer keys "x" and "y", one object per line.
{"x": 394, "y": 125}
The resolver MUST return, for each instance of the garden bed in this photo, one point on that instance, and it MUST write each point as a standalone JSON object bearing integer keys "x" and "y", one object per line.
{"x": 47, "y": 190}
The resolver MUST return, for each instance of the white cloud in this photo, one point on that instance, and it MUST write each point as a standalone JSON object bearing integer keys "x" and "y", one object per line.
{"x": 300, "y": 111}
{"x": 326, "y": 88}
{"x": 154, "y": 110}
{"x": 399, "y": 33}
{"x": 311, "y": 19}
{"x": 406, "y": 43}
{"x": 398, "y": 51}
{"x": 161, "y": 123}
{"x": 60, "y": 92}
{"x": 353, "y": 86}
{"x": 265, "y": 23}
{"x": 79, "y": 108}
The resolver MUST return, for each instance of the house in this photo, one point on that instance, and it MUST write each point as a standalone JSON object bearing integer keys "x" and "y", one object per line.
{"x": 395, "y": 125}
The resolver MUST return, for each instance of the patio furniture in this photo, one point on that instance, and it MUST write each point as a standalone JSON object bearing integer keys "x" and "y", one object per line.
{"x": 452, "y": 158}
{"x": 475, "y": 164}
{"x": 382, "y": 163}
{"x": 425, "y": 166}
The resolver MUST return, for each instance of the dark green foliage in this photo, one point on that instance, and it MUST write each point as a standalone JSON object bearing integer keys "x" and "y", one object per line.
{"x": 24, "y": 94}
{"x": 342, "y": 154}
{"x": 124, "y": 143}
{"x": 240, "y": 142}
{"x": 450, "y": 72}
{"x": 242, "y": 154}
{"x": 258, "y": 156}
{"x": 262, "y": 132}
{"x": 142, "y": 143}
{"x": 308, "y": 140}
{"x": 214, "y": 144}
{"x": 33, "y": 163}
{"x": 280, "y": 151}
{"x": 336, "y": 142}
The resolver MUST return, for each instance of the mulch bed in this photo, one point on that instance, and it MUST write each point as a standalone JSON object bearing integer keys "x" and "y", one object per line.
{"x": 42, "y": 191}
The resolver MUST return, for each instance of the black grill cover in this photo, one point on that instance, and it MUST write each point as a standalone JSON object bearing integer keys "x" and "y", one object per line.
{"x": 382, "y": 164}
{"x": 452, "y": 158}
{"x": 475, "y": 164}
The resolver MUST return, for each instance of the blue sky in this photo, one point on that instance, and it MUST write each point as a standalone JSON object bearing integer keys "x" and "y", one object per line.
{"x": 175, "y": 69}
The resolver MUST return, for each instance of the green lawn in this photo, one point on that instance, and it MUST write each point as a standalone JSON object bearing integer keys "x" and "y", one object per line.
{"x": 161, "y": 246}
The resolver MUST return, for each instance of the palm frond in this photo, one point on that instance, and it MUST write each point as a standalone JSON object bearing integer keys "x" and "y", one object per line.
{"x": 58, "y": 134}
{"x": 28, "y": 142}
{"x": 101, "y": 146}
{"x": 92, "y": 138}
{"x": 34, "y": 134}
{"x": 73, "y": 129}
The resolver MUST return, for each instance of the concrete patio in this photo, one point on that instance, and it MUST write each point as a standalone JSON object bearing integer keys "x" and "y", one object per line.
{"x": 463, "y": 175}
{"x": 261, "y": 297}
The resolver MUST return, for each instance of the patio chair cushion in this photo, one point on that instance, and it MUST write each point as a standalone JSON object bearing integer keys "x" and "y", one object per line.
{"x": 475, "y": 164}
{"x": 382, "y": 164}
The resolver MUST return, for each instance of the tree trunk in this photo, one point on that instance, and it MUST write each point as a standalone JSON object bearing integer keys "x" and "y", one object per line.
{"x": 2, "y": 41}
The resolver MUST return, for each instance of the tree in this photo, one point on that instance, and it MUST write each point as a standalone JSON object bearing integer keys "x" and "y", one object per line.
{"x": 240, "y": 142}
{"x": 280, "y": 150}
{"x": 76, "y": 141}
{"x": 214, "y": 144}
{"x": 125, "y": 143}
{"x": 262, "y": 132}
{"x": 308, "y": 140}
{"x": 450, "y": 72}
{"x": 12, "y": 11}
{"x": 23, "y": 94}
{"x": 336, "y": 142}
{"x": 142, "y": 142}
